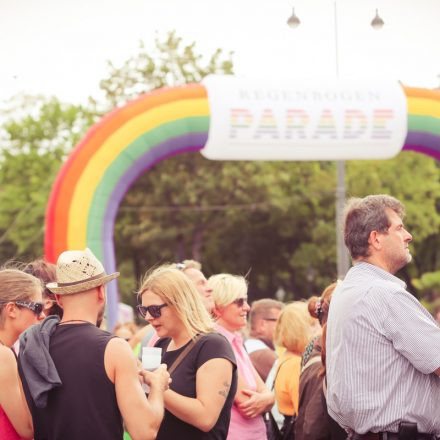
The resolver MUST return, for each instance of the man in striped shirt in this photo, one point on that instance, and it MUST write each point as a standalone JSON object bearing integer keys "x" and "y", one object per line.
{"x": 383, "y": 347}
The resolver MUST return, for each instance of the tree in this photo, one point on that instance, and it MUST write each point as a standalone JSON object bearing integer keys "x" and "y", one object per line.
{"x": 271, "y": 220}
{"x": 36, "y": 138}
{"x": 169, "y": 63}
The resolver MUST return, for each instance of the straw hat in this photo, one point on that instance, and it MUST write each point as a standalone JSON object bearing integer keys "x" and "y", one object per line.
{"x": 78, "y": 271}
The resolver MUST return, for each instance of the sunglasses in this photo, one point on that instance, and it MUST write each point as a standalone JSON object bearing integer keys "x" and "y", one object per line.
{"x": 240, "y": 302}
{"x": 154, "y": 311}
{"x": 35, "y": 307}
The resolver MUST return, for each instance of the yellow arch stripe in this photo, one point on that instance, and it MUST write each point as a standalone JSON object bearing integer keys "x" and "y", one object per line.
{"x": 424, "y": 107}
{"x": 110, "y": 150}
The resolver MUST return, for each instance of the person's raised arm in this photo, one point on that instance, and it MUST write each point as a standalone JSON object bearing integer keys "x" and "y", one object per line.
{"x": 213, "y": 381}
{"x": 12, "y": 398}
{"x": 142, "y": 416}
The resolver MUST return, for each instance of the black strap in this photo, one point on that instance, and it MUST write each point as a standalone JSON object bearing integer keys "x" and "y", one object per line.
{"x": 182, "y": 355}
{"x": 276, "y": 373}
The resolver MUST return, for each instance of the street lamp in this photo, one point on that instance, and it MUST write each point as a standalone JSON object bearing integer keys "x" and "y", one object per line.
{"x": 343, "y": 262}
{"x": 377, "y": 23}
{"x": 293, "y": 21}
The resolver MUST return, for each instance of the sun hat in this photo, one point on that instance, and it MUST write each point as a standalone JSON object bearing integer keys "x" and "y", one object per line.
{"x": 78, "y": 271}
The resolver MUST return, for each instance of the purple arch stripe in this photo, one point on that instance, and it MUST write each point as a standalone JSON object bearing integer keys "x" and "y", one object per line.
{"x": 171, "y": 147}
{"x": 422, "y": 142}
{"x": 427, "y": 140}
{"x": 421, "y": 149}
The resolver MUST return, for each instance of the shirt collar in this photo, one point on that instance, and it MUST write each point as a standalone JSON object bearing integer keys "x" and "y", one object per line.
{"x": 378, "y": 271}
{"x": 230, "y": 336}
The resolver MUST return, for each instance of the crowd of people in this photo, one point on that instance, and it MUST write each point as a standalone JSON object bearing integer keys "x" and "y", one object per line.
{"x": 359, "y": 361}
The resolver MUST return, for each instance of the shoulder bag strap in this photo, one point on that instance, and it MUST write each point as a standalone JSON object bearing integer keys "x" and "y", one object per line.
{"x": 182, "y": 355}
{"x": 277, "y": 371}
{"x": 311, "y": 361}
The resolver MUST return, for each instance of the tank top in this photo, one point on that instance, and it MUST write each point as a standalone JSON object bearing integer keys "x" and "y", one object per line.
{"x": 7, "y": 431}
{"x": 85, "y": 406}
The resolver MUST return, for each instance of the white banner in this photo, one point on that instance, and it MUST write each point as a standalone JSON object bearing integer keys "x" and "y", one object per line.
{"x": 304, "y": 120}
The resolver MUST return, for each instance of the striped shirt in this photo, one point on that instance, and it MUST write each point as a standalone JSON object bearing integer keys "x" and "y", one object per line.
{"x": 382, "y": 349}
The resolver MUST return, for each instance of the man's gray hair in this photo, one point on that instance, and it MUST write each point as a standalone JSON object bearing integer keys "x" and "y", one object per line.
{"x": 362, "y": 216}
{"x": 261, "y": 307}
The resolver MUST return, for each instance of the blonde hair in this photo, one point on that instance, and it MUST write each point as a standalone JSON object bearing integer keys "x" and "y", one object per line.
{"x": 16, "y": 285}
{"x": 178, "y": 291}
{"x": 293, "y": 329}
{"x": 304, "y": 305}
{"x": 191, "y": 264}
{"x": 226, "y": 288}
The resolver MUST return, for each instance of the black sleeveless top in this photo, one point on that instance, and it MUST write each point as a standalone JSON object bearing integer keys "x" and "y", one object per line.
{"x": 85, "y": 406}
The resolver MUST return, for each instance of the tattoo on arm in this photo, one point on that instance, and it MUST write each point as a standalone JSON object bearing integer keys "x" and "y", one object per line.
{"x": 224, "y": 392}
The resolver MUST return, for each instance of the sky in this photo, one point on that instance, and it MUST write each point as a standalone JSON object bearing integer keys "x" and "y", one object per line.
{"x": 60, "y": 47}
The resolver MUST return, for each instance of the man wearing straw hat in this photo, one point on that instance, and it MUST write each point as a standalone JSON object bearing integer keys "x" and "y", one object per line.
{"x": 79, "y": 379}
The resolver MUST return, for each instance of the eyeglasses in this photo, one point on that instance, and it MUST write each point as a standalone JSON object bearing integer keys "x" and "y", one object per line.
{"x": 35, "y": 307}
{"x": 154, "y": 311}
{"x": 240, "y": 302}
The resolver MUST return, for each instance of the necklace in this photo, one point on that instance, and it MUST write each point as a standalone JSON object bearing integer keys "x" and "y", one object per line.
{"x": 75, "y": 320}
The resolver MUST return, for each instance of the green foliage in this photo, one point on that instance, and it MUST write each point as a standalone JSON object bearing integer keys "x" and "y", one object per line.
{"x": 415, "y": 180}
{"x": 170, "y": 63}
{"x": 274, "y": 221}
{"x": 32, "y": 150}
{"x": 429, "y": 286}
{"x": 235, "y": 217}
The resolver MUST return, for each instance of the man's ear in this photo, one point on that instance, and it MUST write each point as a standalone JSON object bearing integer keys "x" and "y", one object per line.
{"x": 101, "y": 293}
{"x": 58, "y": 299}
{"x": 375, "y": 240}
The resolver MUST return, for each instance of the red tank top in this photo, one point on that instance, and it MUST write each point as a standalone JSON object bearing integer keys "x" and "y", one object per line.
{"x": 7, "y": 431}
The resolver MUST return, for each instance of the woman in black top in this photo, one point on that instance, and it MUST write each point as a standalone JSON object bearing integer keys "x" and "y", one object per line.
{"x": 198, "y": 403}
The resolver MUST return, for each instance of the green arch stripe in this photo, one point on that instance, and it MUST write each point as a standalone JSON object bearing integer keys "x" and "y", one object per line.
{"x": 117, "y": 172}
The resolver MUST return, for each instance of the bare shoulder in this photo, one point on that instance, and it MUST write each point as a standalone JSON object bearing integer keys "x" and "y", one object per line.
{"x": 118, "y": 357}
{"x": 8, "y": 363}
{"x": 118, "y": 350}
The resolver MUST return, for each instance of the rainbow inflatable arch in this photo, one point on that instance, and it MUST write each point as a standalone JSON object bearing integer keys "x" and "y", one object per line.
{"x": 92, "y": 183}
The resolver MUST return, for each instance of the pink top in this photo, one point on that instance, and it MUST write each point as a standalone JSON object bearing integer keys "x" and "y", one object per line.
{"x": 7, "y": 431}
{"x": 152, "y": 341}
{"x": 240, "y": 427}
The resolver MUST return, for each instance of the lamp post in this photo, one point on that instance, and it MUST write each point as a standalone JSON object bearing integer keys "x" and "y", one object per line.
{"x": 343, "y": 262}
